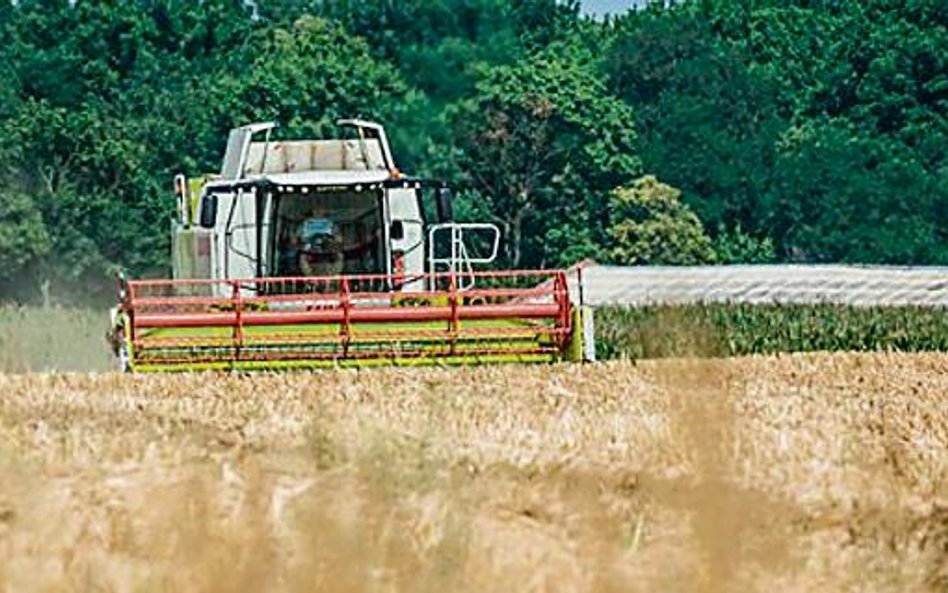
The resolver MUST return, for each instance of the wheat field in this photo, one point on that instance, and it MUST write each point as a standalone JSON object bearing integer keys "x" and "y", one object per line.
{"x": 791, "y": 473}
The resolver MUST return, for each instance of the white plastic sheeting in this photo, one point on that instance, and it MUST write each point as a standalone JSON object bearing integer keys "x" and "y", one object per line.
{"x": 797, "y": 284}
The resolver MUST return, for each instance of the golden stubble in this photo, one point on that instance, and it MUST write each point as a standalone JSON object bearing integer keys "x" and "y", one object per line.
{"x": 792, "y": 473}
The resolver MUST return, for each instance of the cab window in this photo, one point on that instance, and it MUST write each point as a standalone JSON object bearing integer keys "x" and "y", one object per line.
{"x": 329, "y": 233}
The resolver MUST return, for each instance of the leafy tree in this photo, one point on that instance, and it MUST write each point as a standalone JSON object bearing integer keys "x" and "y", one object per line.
{"x": 98, "y": 172}
{"x": 651, "y": 225}
{"x": 92, "y": 184}
{"x": 873, "y": 61}
{"x": 859, "y": 171}
{"x": 498, "y": 30}
{"x": 735, "y": 246}
{"x": 543, "y": 143}
{"x": 99, "y": 119}
{"x": 308, "y": 76}
{"x": 436, "y": 43}
{"x": 892, "y": 211}
{"x": 23, "y": 236}
{"x": 754, "y": 110}
{"x": 707, "y": 123}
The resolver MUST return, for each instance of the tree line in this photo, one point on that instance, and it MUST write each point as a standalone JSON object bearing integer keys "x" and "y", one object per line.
{"x": 700, "y": 132}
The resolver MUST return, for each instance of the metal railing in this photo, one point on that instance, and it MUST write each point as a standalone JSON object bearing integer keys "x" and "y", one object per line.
{"x": 459, "y": 262}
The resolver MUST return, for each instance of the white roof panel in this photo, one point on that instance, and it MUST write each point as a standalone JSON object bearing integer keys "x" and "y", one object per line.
{"x": 338, "y": 177}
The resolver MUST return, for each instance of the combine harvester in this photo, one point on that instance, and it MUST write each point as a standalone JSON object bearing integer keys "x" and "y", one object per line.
{"x": 321, "y": 253}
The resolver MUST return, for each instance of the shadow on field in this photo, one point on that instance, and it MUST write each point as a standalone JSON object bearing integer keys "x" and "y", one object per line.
{"x": 735, "y": 530}
{"x": 738, "y": 530}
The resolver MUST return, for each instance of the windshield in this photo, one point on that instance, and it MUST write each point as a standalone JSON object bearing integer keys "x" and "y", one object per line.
{"x": 329, "y": 233}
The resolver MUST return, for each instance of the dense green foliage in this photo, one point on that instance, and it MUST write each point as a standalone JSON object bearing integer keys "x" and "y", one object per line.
{"x": 795, "y": 130}
{"x": 740, "y": 329}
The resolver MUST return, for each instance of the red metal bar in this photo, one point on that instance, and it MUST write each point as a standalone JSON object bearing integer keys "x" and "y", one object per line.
{"x": 238, "y": 326}
{"x": 452, "y": 313}
{"x": 129, "y": 298}
{"x": 329, "y": 279}
{"x": 562, "y": 301}
{"x": 455, "y": 321}
{"x": 346, "y": 328}
{"x": 280, "y": 338}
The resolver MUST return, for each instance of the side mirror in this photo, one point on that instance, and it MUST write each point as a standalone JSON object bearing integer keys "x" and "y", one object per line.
{"x": 445, "y": 205}
{"x": 397, "y": 231}
{"x": 208, "y": 218}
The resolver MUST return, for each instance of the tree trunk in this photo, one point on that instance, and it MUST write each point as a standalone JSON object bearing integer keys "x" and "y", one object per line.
{"x": 516, "y": 238}
{"x": 44, "y": 291}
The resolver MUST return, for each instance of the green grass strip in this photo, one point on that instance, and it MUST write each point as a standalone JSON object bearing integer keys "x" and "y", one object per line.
{"x": 740, "y": 329}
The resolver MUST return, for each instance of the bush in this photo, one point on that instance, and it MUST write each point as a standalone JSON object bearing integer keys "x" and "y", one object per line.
{"x": 652, "y": 226}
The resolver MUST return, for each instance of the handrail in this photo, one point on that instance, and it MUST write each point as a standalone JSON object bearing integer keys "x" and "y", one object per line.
{"x": 459, "y": 261}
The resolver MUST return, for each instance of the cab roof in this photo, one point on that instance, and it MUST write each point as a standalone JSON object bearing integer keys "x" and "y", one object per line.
{"x": 289, "y": 182}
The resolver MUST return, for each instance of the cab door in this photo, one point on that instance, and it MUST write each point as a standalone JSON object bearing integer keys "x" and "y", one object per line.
{"x": 405, "y": 238}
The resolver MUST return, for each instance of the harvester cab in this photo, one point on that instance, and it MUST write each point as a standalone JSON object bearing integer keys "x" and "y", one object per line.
{"x": 320, "y": 208}
{"x": 321, "y": 252}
